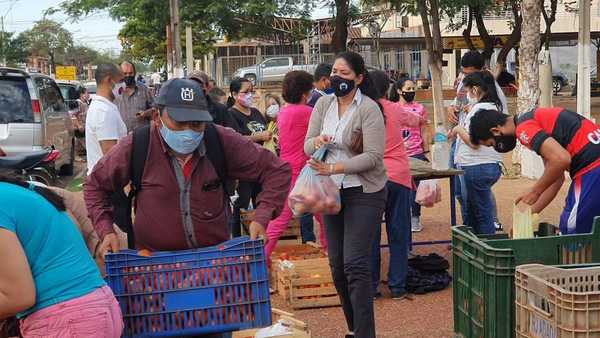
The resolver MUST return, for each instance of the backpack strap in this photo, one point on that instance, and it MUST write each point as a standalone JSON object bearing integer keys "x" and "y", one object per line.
{"x": 215, "y": 152}
{"x": 139, "y": 153}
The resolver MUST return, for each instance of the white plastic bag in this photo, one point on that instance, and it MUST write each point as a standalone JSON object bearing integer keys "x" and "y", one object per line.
{"x": 523, "y": 222}
{"x": 429, "y": 193}
{"x": 277, "y": 330}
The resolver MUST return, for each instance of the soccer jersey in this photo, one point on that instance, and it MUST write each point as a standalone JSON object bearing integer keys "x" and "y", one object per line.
{"x": 578, "y": 135}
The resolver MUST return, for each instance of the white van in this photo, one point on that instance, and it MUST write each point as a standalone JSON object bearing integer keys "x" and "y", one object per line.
{"x": 33, "y": 116}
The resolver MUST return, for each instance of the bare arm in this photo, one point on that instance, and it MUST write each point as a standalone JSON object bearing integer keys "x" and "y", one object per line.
{"x": 547, "y": 196}
{"x": 557, "y": 161}
{"x": 107, "y": 145}
{"x": 17, "y": 290}
{"x": 464, "y": 136}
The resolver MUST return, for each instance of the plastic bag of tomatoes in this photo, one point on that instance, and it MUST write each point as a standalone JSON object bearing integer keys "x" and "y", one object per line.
{"x": 314, "y": 193}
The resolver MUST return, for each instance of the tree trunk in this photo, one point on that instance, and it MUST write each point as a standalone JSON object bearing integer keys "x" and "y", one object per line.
{"x": 488, "y": 41}
{"x": 52, "y": 63}
{"x": 340, "y": 34}
{"x": 548, "y": 20}
{"x": 597, "y": 62}
{"x": 529, "y": 88}
{"x": 433, "y": 42}
{"x": 467, "y": 32}
{"x": 512, "y": 41}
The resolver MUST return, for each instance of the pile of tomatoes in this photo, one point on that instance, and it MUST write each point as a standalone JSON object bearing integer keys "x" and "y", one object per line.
{"x": 145, "y": 288}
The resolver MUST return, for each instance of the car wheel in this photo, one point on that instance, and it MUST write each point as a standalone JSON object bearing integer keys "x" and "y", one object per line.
{"x": 69, "y": 168}
{"x": 557, "y": 85}
{"x": 251, "y": 78}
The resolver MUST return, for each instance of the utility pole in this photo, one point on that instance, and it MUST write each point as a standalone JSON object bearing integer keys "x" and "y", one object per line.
{"x": 169, "y": 52}
{"x": 3, "y": 42}
{"x": 176, "y": 37}
{"x": 189, "y": 50}
{"x": 583, "y": 60}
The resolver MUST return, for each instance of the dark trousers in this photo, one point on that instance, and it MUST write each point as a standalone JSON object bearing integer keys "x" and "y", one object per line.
{"x": 416, "y": 207}
{"x": 307, "y": 228}
{"x": 397, "y": 221}
{"x": 246, "y": 191}
{"x": 350, "y": 235}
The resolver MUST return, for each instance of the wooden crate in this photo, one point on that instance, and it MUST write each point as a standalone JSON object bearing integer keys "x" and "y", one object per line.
{"x": 313, "y": 292}
{"x": 308, "y": 284}
{"x": 292, "y": 252}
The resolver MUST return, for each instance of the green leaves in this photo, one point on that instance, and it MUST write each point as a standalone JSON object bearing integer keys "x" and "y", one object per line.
{"x": 144, "y": 34}
{"x": 13, "y": 49}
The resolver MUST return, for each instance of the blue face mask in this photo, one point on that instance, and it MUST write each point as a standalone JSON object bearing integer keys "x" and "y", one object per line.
{"x": 182, "y": 142}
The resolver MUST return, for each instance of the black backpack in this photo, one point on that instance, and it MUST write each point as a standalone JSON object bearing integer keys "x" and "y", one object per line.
{"x": 122, "y": 204}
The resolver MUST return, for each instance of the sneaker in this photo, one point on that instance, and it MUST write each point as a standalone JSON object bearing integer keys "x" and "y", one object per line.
{"x": 498, "y": 226}
{"x": 397, "y": 295}
{"x": 416, "y": 225}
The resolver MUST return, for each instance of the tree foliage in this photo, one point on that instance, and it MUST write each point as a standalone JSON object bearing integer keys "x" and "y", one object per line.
{"x": 49, "y": 38}
{"x": 143, "y": 35}
{"x": 13, "y": 49}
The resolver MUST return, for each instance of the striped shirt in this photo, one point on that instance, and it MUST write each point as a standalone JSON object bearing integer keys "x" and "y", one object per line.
{"x": 578, "y": 135}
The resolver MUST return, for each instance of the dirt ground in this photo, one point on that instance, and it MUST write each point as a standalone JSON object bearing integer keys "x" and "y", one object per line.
{"x": 425, "y": 316}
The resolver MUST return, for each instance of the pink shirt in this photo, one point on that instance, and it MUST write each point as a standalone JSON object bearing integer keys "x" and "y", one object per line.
{"x": 395, "y": 158}
{"x": 413, "y": 139}
{"x": 292, "y": 123}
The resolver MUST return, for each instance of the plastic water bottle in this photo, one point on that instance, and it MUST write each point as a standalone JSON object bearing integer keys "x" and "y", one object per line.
{"x": 440, "y": 150}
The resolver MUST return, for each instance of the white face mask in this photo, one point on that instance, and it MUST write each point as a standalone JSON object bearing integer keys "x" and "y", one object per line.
{"x": 118, "y": 88}
{"x": 272, "y": 111}
{"x": 471, "y": 99}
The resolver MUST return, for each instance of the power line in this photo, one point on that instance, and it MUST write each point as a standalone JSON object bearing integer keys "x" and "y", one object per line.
{"x": 10, "y": 7}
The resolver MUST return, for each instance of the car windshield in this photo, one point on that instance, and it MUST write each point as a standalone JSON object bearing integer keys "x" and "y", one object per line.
{"x": 15, "y": 102}
{"x": 91, "y": 89}
{"x": 64, "y": 90}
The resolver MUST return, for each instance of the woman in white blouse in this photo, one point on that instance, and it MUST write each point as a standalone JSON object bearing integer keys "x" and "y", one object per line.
{"x": 353, "y": 124}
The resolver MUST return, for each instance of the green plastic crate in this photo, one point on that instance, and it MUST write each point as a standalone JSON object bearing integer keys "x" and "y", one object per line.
{"x": 484, "y": 275}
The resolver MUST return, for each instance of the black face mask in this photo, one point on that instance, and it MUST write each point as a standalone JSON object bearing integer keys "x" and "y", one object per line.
{"x": 505, "y": 143}
{"x": 342, "y": 86}
{"x": 408, "y": 96}
{"x": 129, "y": 80}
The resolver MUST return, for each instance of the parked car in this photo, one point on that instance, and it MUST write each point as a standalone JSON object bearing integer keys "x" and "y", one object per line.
{"x": 70, "y": 93}
{"x": 272, "y": 70}
{"x": 34, "y": 116}
{"x": 559, "y": 81}
{"x": 91, "y": 87}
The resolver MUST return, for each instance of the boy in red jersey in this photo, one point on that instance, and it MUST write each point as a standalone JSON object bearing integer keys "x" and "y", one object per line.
{"x": 567, "y": 142}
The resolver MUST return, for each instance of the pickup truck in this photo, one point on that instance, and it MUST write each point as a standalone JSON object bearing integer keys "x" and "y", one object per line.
{"x": 272, "y": 70}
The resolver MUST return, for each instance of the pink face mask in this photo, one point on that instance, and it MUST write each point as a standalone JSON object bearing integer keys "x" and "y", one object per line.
{"x": 246, "y": 99}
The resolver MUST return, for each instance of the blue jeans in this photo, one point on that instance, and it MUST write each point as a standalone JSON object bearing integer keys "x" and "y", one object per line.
{"x": 307, "y": 228}
{"x": 460, "y": 192}
{"x": 397, "y": 220}
{"x": 479, "y": 180}
{"x": 416, "y": 207}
